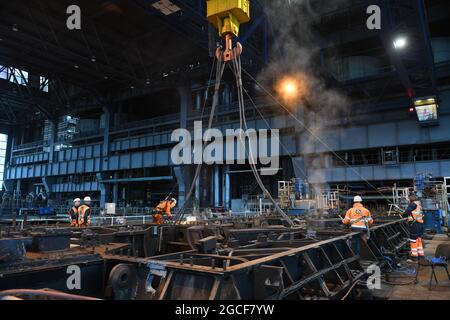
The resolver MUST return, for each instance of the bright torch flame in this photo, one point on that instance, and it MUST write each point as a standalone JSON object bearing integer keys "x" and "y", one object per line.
{"x": 290, "y": 89}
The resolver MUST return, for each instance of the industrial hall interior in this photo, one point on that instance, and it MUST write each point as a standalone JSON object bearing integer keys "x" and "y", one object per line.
{"x": 224, "y": 150}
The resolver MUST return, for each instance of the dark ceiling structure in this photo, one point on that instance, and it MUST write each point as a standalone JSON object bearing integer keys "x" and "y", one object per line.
{"x": 128, "y": 48}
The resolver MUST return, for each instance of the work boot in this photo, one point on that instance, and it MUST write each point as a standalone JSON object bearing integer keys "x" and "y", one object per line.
{"x": 412, "y": 260}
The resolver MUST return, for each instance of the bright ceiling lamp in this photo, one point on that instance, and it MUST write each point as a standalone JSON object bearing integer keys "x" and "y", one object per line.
{"x": 400, "y": 43}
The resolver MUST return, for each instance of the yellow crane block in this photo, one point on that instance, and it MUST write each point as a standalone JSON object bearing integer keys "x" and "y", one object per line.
{"x": 228, "y": 15}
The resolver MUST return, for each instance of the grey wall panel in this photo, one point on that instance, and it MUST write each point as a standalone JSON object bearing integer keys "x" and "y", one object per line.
{"x": 71, "y": 167}
{"x": 38, "y": 170}
{"x": 379, "y": 173}
{"x": 97, "y": 150}
{"x": 149, "y": 159}
{"x": 97, "y": 164}
{"x": 339, "y": 174}
{"x": 162, "y": 158}
{"x": 445, "y": 168}
{"x": 142, "y": 142}
{"x": 353, "y": 173}
{"x": 409, "y": 132}
{"x": 124, "y": 144}
{"x": 353, "y": 137}
{"x": 113, "y": 163}
{"x": 288, "y": 146}
{"x": 80, "y": 166}
{"x": 136, "y": 160}
{"x": 89, "y": 165}
{"x": 425, "y": 167}
{"x": 82, "y": 153}
{"x": 134, "y": 143}
{"x": 124, "y": 161}
{"x": 55, "y": 169}
{"x": 63, "y": 168}
{"x": 29, "y": 172}
{"x": 366, "y": 172}
{"x": 407, "y": 170}
{"x": 74, "y": 155}
{"x": 89, "y": 151}
{"x": 165, "y": 139}
{"x": 441, "y": 132}
{"x": 382, "y": 135}
{"x": 322, "y": 141}
{"x": 393, "y": 172}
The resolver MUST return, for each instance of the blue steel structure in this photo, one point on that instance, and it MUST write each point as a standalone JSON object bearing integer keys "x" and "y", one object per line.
{"x": 117, "y": 158}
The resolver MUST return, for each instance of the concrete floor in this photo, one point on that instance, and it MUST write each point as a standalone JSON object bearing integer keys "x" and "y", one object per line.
{"x": 420, "y": 291}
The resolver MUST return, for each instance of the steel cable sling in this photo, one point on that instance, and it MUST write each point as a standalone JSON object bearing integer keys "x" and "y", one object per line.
{"x": 237, "y": 70}
{"x": 220, "y": 67}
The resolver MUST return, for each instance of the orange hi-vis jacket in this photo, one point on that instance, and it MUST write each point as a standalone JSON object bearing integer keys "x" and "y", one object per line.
{"x": 85, "y": 215}
{"x": 417, "y": 214}
{"x": 164, "y": 207}
{"x": 358, "y": 216}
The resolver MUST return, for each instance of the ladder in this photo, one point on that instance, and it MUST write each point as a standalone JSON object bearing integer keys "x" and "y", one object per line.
{"x": 447, "y": 186}
{"x": 446, "y": 196}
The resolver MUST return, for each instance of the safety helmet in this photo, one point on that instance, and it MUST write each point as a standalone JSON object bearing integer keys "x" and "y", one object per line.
{"x": 357, "y": 199}
{"x": 76, "y": 200}
{"x": 173, "y": 200}
{"x": 87, "y": 199}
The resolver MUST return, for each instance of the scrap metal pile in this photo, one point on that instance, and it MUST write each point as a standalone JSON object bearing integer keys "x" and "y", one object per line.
{"x": 241, "y": 259}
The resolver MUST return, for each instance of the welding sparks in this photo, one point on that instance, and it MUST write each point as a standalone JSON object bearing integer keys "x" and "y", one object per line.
{"x": 290, "y": 89}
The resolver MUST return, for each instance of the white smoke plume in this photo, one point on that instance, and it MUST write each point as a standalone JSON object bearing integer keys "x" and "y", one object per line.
{"x": 295, "y": 50}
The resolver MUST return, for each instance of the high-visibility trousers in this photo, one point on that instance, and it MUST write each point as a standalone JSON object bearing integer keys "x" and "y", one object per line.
{"x": 419, "y": 244}
{"x": 158, "y": 218}
{"x": 414, "y": 252}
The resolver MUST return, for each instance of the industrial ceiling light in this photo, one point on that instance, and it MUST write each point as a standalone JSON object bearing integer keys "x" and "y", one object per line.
{"x": 76, "y": 66}
{"x": 15, "y": 28}
{"x": 426, "y": 109}
{"x": 147, "y": 82}
{"x": 93, "y": 59}
{"x": 105, "y": 77}
{"x": 400, "y": 43}
{"x": 166, "y": 7}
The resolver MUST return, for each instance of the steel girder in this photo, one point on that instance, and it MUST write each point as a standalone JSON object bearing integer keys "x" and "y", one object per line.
{"x": 288, "y": 269}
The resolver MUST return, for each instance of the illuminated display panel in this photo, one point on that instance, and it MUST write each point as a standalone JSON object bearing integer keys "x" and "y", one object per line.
{"x": 426, "y": 109}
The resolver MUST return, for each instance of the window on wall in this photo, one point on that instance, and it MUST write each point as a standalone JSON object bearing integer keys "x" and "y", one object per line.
{"x": 43, "y": 84}
{"x": 3, "y": 72}
{"x": 3, "y": 142}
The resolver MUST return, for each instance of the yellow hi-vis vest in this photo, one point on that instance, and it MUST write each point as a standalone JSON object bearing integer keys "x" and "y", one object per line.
{"x": 83, "y": 217}
{"x": 417, "y": 214}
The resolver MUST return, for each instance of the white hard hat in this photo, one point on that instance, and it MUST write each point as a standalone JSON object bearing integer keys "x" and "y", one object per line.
{"x": 87, "y": 198}
{"x": 173, "y": 200}
{"x": 357, "y": 199}
{"x": 76, "y": 199}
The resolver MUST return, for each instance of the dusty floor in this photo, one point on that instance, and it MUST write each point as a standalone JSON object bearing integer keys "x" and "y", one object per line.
{"x": 420, "y": 291}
